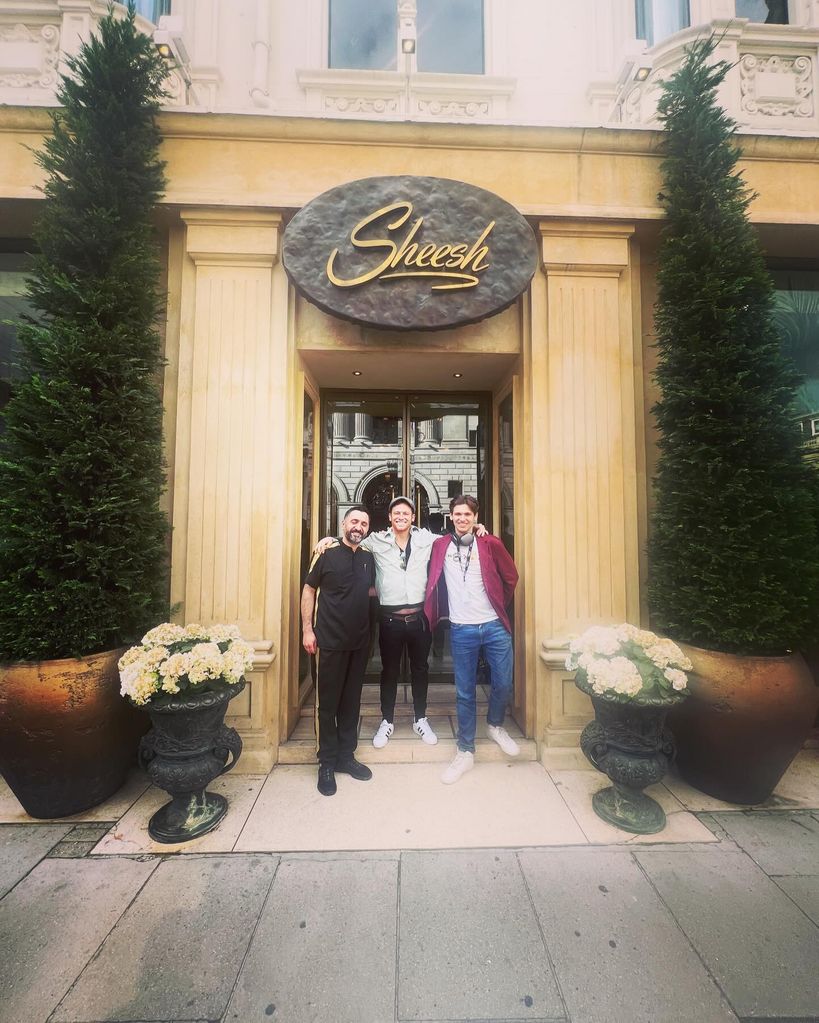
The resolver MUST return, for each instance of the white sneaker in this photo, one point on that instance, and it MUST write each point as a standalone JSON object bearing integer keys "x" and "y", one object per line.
{"x": 423, "y": 728}
{"x": 503, "y": 739}
{"x": 382, "y": 736}
{"x": 463, "y": 762}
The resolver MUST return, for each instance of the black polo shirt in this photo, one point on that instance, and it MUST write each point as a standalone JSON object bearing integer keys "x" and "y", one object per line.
{"x": 342, "y": 579}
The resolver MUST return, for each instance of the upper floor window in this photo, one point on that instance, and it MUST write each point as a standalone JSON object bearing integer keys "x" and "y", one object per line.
{"x": 152, "y": 9}
{"x": 769, "y": 12}
{"x": 448, "y": 36}
{"x": 658, "y": 19}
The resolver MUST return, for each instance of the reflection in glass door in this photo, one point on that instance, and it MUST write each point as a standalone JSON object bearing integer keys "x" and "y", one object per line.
{"x": 374, "y": 443}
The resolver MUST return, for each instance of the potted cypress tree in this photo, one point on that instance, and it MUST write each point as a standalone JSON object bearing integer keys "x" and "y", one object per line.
{"x": 82, "y": 537}
{"x": 734, "y": 551}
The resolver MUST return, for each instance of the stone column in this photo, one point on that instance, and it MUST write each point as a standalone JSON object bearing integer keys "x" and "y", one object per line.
{"x": 363, "y": 429}
{"x": 227, "y": 393}
{"x": 588, "y": 454}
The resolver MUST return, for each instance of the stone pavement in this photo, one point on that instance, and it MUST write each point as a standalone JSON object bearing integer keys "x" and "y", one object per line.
{"x": 605, "y": 929}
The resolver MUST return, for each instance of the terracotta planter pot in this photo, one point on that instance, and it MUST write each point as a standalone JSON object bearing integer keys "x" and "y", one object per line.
{"x": 67, "y": 738}
{"x": 744, "y": 722}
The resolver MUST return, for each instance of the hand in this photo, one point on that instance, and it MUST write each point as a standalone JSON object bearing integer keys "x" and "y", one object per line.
{"x": 308, "y": 639}
{"x": 480, "y": 529}
{"x": 323, "y": 544}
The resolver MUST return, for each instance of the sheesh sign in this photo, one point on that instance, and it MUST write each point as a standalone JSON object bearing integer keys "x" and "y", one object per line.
{"x": 410, "y": 253}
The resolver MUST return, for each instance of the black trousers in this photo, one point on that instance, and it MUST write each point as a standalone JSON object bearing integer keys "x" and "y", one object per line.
{"x": 394, "y": 636}
{"x": 339, "y": 677}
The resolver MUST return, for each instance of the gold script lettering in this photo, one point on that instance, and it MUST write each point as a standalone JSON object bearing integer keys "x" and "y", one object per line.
{"x": 443, "y": 259}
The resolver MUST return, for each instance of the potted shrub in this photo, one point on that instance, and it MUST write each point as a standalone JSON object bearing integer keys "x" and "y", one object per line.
{"x": 185, "y": 676}
{"x": 634, "y": 679}
{"x": 734, "y": 551}
{"x": 82, "y": 537}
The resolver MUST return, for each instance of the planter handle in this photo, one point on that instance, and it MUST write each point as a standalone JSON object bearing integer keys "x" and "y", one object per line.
{"x": 228, "y": 744}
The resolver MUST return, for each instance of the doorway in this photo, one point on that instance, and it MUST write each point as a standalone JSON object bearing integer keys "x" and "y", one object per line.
{"x": 374, "y": 442}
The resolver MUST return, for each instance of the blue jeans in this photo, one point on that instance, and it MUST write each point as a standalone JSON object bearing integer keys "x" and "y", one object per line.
{"x": 466, "y": 642}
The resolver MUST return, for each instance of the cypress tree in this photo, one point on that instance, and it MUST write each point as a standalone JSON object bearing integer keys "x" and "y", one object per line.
{"x": 83, "y": 560}
{"x": 734, "y": 557}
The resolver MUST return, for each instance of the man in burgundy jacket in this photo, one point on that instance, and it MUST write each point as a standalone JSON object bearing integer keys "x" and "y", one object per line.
{"x": 471, "y": 581}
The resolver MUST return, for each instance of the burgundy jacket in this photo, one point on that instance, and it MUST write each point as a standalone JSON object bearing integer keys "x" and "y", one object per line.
{"x": 497, "y": 571}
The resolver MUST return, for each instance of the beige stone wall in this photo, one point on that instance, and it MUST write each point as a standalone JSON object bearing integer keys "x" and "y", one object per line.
{"x": 575, "y": 350}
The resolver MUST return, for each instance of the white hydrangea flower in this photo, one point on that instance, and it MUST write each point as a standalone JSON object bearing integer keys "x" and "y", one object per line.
{"x": 223, "y": 633}
{"x": 175, "y": 667}
{"x": 599, "y": 639}
{"x": 131, "y": 655}
{"x": 677, "y": 678}
{"x": 164, "y": 635}
{"x": 205, "y": 661}
{"x": 158, "y": 665}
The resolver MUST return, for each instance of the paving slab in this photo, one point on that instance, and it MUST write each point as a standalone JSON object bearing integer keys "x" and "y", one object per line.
{"x": 470, "y": 943}
{"x": 130, "y": 835}
{"x": 52, "y": 923}
{"x": 577, "y": 789}
{"x": 804, "y": 891}
{"x": 781, "y": 843}
{"x": 111, "y": 810}
{"x": 325, "y": 946}
{"x": 176, "y": 952}
{"x": 405, "y": 806}
{"x": 22, "y": 846}
{"x": 617, "y": 951}
{"x": 761, "y": 949}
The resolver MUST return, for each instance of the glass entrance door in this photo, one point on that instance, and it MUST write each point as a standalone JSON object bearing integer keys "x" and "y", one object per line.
{"x": 376, "y": 442}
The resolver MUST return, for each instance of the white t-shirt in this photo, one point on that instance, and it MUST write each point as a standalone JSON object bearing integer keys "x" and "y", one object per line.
{"x": 466, "y": 595}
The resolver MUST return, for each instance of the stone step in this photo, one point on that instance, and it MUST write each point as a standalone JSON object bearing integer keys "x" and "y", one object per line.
{"x": 407, "y": 751}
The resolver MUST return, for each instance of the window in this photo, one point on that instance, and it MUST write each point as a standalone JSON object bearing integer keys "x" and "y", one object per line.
{"x": 769, "y": 12}
{"x": 13, "y": 306}
{"x": 454, "y": 488}
{"x": 658, "y": 19}
{"x": 450, "y": 36}
{"x": 364, "y": 34}
{"x": 152, "y": 9}
{"x": 796, "y": 313}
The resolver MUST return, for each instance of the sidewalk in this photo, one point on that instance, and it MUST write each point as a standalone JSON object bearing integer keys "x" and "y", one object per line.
{"x": 499, "y": 898}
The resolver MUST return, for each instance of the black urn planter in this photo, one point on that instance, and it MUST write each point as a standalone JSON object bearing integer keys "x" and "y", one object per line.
{"x": 188, "y": 746}
{"x": 630, "y": 744}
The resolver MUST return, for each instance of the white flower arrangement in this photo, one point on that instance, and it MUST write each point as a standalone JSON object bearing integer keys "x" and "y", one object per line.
{"x": 624, "y": 663}
{"x": 172, "y": 659}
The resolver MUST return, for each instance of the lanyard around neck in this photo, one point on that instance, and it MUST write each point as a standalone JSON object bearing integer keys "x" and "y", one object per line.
{"x": 463, "y": 565}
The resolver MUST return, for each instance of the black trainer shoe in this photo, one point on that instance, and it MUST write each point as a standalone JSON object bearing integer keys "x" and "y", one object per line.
{"x": 349, "y": 765}
{"x": 326, "y": 780}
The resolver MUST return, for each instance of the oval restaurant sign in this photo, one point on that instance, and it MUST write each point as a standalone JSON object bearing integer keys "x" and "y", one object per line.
{"x": 410, "y": 253}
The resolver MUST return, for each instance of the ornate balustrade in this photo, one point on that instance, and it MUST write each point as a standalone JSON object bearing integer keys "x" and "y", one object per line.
{"x": 772, "y": 85}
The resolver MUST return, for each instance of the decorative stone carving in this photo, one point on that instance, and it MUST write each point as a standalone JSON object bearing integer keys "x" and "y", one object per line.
{"x": 361, "y": 104}
{"x": 776, "y": 86}
{"x": 29, "y": 55}
{"x": 453, "y": 108}
{"x": 175, "y": 92}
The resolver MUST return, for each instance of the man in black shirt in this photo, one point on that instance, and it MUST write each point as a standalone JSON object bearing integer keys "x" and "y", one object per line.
{"x": 335, "y": 616}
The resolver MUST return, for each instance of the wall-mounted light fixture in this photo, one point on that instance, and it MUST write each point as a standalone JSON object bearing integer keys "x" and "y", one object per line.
{"x": 170, "y": 46}
{"x": 636, "y": 67}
